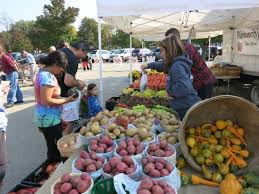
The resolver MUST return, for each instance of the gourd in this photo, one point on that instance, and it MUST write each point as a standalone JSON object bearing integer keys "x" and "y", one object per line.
{"x": 198, "y": 180}
{"x": 230, "y": 185}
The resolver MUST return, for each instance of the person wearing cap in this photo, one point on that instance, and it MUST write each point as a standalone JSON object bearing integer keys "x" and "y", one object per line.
{"x": 67, "y": 80}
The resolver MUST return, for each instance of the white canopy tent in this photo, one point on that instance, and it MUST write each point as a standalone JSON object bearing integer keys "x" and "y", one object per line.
{"x": 149, "y": 20}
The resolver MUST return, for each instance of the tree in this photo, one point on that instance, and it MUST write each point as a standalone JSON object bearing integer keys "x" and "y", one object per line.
{"x": 54, "y": 25}
{"x": 121, "y": 39}
{"x": 88, "y": 31}
{"x": 20, "y": 41}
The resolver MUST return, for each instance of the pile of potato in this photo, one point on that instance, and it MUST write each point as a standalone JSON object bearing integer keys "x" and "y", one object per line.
{"x": 161, "y": 149}
{"x": 69, "y": 143}
{"x": 102, "y": 144}
{"x": 115, "y": 131}
{"x": 73, "y": 184}
{"x": 156, "y": 167}
{"x": 140, "y": 134}
{"x": 170, "y": 125}
{"x": 171, "y": 138}
{"x": 94, "y": 126}
{"x": 130, "y": 147}
{"x": 117, "y": 165}
{"x": 89, "y": 162}
{"x": 149, "y": 186}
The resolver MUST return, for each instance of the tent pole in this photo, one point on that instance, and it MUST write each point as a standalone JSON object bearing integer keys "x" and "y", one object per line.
{"x": 131, "y": 58}
{"x": 209, "y": 47}
{"x": 142, "y": 51}
{"x": 100, "y": 61}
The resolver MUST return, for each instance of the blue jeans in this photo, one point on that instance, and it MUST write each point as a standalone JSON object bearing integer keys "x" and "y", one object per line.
{"x": 14, "y": 94}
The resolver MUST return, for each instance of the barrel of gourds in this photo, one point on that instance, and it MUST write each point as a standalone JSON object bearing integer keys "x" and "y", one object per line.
{"x": 226, "y": 107}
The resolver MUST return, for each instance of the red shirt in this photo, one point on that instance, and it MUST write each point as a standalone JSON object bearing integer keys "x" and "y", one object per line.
{"x": 7, "y": 64}
{"x": 202, "y": 75}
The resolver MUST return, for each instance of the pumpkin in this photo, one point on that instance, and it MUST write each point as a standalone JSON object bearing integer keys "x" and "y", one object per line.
{"x": 230, "y": 185}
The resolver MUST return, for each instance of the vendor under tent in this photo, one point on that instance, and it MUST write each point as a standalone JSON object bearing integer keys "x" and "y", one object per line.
{"x": 195, "y": 19}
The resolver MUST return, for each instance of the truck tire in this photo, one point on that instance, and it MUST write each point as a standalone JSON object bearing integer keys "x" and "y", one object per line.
{"x": 255, "y": 92}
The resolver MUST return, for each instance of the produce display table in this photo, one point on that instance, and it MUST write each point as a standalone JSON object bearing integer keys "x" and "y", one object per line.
{"x": 66, "y": 168}
{"x": 226, "y": 78}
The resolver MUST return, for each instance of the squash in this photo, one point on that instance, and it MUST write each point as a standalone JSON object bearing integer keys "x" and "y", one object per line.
{"x": 224, "y": 168}
{"x": 235, "y": 141}
{"x": 198, "y": 180}
{"x": 239, "y": 161}
{"x": 230, "y": 185}
{"x": 224, "y": 152}
{"x": 241, "y": 131}
{"x": 236, "y": 147}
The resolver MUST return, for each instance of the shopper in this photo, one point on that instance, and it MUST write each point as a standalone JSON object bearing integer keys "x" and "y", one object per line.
{"x": 203, "y": 78}
{"x": 31, "y": 62}
{"x": 94, "y": 106}
{"x": 52, "y": 48}
{"x": 85, "y": 63}
{"x": 177, "y": 66}
{"x": 49, "y": 103}
{"x": 67, "y": 79}
{"x": 3, "y": 126}
{"x": 10, "y": 68}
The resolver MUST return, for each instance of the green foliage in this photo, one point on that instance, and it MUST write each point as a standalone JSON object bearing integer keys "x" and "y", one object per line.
{"x": 54, "y": 25}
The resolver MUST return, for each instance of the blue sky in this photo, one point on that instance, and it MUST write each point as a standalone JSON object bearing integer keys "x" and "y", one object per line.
{"x": 29, "y": 9}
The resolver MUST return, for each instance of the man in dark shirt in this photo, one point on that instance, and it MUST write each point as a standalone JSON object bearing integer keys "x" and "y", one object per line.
{"x": 68, "y": 79}
{"x": 203, "y": 78}
{"x": 10, "y": 68}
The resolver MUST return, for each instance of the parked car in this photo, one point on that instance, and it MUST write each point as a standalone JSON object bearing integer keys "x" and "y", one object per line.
{"x": 94, "y": 54}
{"x": 139, "y": 53}
{"x": 155, "y": 53}
{"x": 116, "y": 53}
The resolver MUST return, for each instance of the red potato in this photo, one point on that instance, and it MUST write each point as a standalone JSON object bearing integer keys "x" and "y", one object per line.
{"x": 98, "y": 164}
{"x": 58, "y": 184}
{"x": 107, "y": 168}
{"x": 82, "y": 186}
{"x": 65, "y": 187}
{"x": 161, "y": 149}
{"x": 146, "y": 184}
{"x": 84, "y": 155}
{"x": 75, "y": 181}
{"x": 102, "y": 145}
{"x": 144, "y": 191}
{"x": 144, "y": 161}
{"x": 73, "y": 191}
{"x": 118, "y": 165}
{"x": 85, "y": 176}
{"x": 158, "y": 168}
{"x": 91, "y": 168}
{"x": 93, "y": 155}
{"x": 130, "y": 147}
{"x": 65, "y": 178}
{"x": 79, "y": 164}
{"x": 157, "y": 189}
{"x": 149, "y": 186}
{"x": 122, "y": 167}
{"x": 88, "y": 162}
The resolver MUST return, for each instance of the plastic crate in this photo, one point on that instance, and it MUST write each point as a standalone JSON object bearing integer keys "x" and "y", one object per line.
{"x": 38, "y": 175}
{"x": 20, "y": 187}
{"x": 111, "y": 103}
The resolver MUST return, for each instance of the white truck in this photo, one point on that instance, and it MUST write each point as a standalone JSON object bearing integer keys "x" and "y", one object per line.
{"x": 241, "y": 48}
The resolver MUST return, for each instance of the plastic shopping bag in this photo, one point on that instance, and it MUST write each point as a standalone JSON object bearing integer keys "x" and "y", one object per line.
{"x": 143, "y": 82}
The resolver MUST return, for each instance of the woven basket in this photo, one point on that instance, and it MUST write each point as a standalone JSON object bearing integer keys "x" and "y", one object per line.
{"x": 67, "y": 152}
{"x": 233, "y": 71}
{"x": 237, "y": 109}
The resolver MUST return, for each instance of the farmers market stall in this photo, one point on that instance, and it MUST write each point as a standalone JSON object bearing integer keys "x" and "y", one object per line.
{"x": 228, "y": 111}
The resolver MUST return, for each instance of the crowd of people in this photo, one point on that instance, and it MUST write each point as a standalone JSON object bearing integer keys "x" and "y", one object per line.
{"x": 189, "y": 81}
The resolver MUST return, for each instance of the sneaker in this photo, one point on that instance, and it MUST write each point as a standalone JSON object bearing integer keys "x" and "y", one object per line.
{"x": 8, "y": 105}
{"x": 19, "y": 102}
